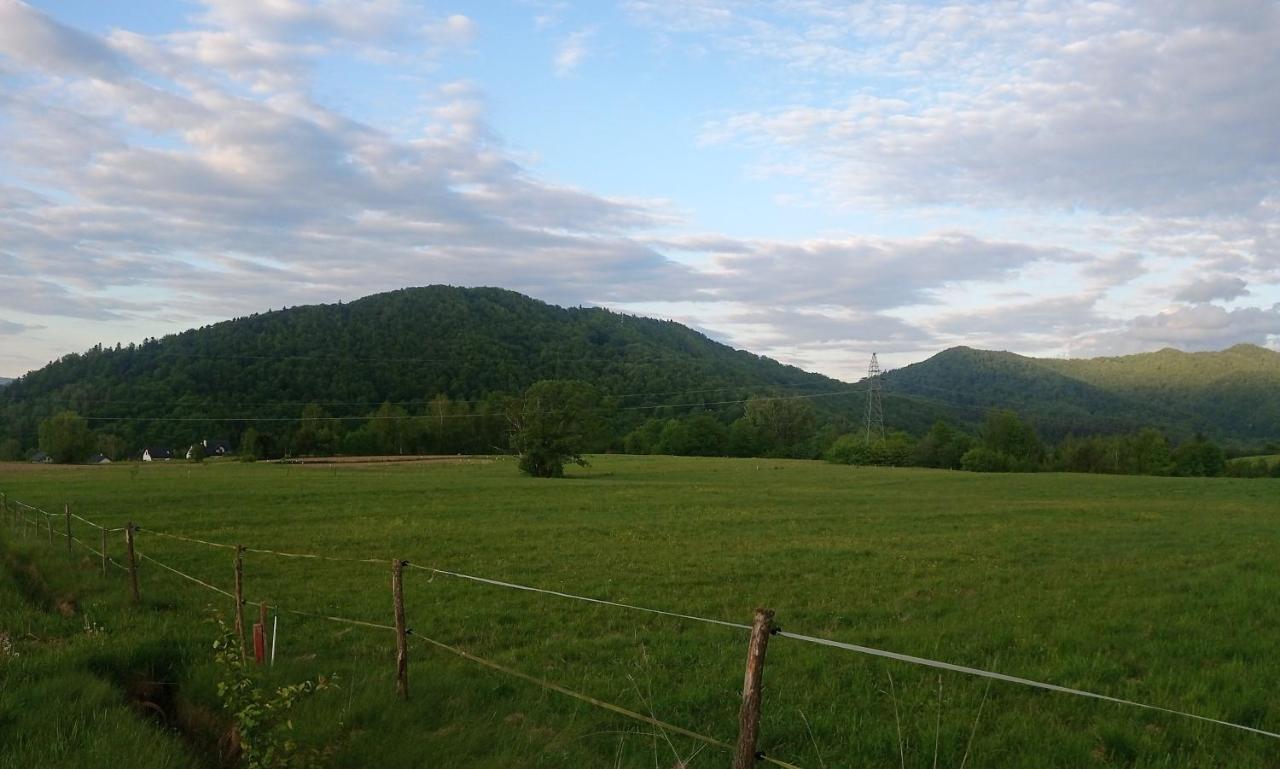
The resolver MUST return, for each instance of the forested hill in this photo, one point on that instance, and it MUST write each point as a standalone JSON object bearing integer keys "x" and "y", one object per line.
{"x": 406, "y": 347}
{"x": 452, "y": 356}
{"x": 1234, "y": 392}
{"x": 4, "y": 381}
{"x": 1232, "y": 396}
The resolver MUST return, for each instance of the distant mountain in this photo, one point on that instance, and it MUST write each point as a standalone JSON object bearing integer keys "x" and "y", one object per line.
{"x": 478, "y": 344}
{"x": 403, "y": 346}
{"x": 4, "y": 381}
{"x": 1232, "y": 396}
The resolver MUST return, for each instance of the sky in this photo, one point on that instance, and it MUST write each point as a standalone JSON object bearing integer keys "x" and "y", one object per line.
{"x": 812, "y": 180}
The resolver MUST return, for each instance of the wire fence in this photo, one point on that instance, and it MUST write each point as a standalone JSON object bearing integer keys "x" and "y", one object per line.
{"x": 14, "y": 509}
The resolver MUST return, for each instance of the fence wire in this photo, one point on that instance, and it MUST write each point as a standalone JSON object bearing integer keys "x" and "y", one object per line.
{"x": 815, "y": 640}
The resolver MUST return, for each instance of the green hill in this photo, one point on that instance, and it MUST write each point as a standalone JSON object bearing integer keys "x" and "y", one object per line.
{"x": 406, "y": 347}
{"x": 340, "y": 362}
{"x": 1232, "y": 396}
{"x": 1234, "y": 393}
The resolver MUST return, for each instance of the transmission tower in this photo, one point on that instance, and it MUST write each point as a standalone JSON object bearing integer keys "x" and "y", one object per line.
{"x": 875, "y": 410}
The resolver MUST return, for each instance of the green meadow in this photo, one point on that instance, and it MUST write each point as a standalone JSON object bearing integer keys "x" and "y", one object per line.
{"x": 1160, "y": 590}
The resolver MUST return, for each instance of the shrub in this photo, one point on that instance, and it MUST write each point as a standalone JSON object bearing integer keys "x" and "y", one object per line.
{"x": 261, "y": 725}
{"x": 981, "y": 459}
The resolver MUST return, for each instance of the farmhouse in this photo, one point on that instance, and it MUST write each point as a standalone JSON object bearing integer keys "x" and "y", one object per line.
{"x": 41, "y": 458}
{"x": 215, "y": 448}
{"x": 98, "y": 459}
{"x": 156, "y": 454}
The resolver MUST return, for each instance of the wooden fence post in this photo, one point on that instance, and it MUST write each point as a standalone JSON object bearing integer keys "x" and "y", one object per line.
{"x": 104, "y": 551}
{"x": 133, "y": 562}
{"x": 66, "y": 509}
{"x": 260, "y": 634}
{"x": 48, "y": 521}
{"x": 240, "y": 597}
{"x": 402, "y": 643}
{"x": 745, "y": 756}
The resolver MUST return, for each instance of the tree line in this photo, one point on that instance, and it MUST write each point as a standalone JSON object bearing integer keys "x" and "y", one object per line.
{"x": 555, "y": 422}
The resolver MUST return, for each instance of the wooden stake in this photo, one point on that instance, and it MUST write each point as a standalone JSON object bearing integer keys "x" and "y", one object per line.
{"x": 261, "y": 619}
{"x": 133, "y": 562}
{"x": 402, "y": 642}
{"x": 48, "y": 521}
{"x": 240, "y": 597}
{"x": 66, "y": 509}
{"x": 745, "y": 756}
{"x": 104, "y": 552}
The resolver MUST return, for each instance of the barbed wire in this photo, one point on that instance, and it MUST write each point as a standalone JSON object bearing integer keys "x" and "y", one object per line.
{"x": 618, "y": 709}
{"x": 611, "y": 707}
{"x": 816, "y": 640}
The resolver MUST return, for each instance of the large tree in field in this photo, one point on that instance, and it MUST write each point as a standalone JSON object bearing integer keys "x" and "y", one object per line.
{"x": 66, "y": 437}
{"x": 554, "y": 422}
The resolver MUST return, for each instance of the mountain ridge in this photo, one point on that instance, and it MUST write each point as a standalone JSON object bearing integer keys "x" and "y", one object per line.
{"x": 1232, "y": 395}
{"x": 475, "y": 344}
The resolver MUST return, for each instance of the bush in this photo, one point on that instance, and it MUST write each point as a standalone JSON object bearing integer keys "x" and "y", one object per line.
{"x": 1199, "y": 457}
{"x": 984, "y": 460}
{"x": 262, "y": 733}
{"x": 894, "y": 450}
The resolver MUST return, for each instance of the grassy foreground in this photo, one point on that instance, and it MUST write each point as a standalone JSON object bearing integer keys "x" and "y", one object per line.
{"x": 1154, "y": 589}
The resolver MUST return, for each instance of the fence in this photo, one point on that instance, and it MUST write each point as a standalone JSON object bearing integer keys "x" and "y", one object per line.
{"x": 745, "y": 750}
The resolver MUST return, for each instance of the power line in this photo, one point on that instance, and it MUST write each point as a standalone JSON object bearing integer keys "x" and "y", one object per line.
{"x": 398, "y": 417}
{"x": 419, "y": 402}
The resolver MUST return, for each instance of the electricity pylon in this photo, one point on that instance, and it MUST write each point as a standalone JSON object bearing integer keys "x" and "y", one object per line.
{"x": 875, "y": 410}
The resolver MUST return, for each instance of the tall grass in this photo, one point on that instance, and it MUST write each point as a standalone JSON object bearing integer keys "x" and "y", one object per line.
{"x": 1155, "y": 589}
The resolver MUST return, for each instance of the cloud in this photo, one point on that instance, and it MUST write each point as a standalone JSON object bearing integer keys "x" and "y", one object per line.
{"x": 572, "y": 51}
{"x": 34, "y": 39}
{"x": 1149, "y": 108}
{"x": 165, "y": 180}
{"x": 863, "y": 272}
{"x": 1038, "y": 324}
{"x": 1223, "y": 287}
{"x": 455, "y": 30}
{"x": 1197, "y": 327}
{"x": 170, "y": 178}
{"x": 9, "y": 328}
{"x": 327, "y": 20}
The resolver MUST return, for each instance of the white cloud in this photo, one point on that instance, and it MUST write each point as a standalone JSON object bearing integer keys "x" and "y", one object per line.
{"x": 34, "y": 39}
{"x": 191, "y": 175}
{"x": 1153, "y": 108}
{"x": 863, "y": 272}
{"x": 455, "y": 30}
{"x": 572, "y": 51}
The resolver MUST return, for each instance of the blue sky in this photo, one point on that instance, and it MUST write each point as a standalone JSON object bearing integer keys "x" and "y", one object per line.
{"x": 810, "y": 179}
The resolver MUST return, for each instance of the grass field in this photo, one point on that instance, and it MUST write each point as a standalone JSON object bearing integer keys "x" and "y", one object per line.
{"x": 1154, "y": 589}
{"x": 1270, "y": 459}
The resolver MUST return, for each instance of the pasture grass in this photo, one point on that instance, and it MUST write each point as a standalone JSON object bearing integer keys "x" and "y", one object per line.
{"x": 1270, "y": 459}
{"x": 1160, "y": 590}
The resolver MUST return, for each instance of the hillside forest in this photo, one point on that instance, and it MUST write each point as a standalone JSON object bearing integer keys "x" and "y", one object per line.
{"x": 443, "y": 370}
